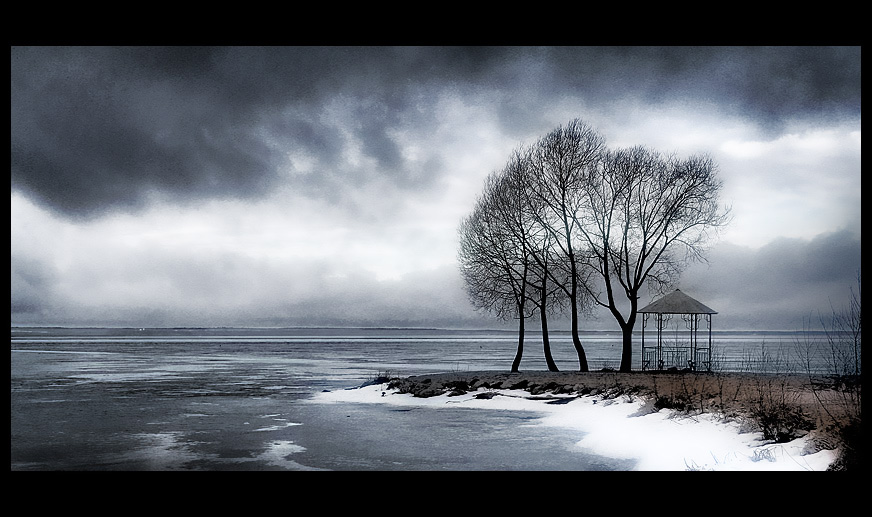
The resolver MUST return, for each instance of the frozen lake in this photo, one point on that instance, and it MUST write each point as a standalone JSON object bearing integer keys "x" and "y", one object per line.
{"x": 240, "y": 399}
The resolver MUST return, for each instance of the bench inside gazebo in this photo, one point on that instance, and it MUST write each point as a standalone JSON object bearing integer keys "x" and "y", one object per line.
{"x": 681, "y": 353}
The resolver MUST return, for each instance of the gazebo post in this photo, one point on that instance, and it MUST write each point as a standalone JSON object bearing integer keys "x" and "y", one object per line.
{"x": 692, "y": 361}
{"x": 662, "y": 321}
{"x": 708, "y": 318}
{"x": 642, "y": 359}
{"x": 694, "y": 325}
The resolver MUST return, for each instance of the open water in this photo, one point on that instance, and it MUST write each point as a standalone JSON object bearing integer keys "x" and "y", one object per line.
{"x": 241, "y": 399}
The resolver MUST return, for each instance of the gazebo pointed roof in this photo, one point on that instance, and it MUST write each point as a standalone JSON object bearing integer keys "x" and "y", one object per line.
{"x": 677, "y": 302}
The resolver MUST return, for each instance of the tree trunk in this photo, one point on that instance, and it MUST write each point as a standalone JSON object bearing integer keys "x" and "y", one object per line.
{"x": 627, "y": 335}
{"x": 627, "y": 348}
{"x": 576, "y": 342}
{"x": 582, "y": 357}
{"x": 552, "y": 366}
{"x": 517, "y": 362}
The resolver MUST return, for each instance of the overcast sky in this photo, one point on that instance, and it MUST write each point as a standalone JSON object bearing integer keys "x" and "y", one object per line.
{"x": 292, "y": 186}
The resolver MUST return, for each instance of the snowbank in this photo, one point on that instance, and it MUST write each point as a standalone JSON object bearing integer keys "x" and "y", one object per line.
{"x": 627, "y": 429}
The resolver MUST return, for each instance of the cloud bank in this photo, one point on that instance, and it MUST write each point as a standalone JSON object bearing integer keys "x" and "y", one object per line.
{"x": 97, "y": 129}
{"x": 323, "y": 185}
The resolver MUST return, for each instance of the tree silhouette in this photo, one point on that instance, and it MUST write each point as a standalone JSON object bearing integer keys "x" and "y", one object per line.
{"x": 494, "y": 263}
{"x": 644, "y": 218}
{"x": 560, "y": 163}
{"x": 523, "y": 214}
{"x": 568, "y": 221}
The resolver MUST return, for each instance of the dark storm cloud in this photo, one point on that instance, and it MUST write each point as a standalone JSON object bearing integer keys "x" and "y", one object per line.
{"x": 770, "y": 85}
{"x": 783, "y": 285}
{"x": 92, "y": 130}
{"x": 97, "y": 129}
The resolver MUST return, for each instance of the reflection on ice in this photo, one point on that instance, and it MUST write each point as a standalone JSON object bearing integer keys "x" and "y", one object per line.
{"x": 161, "y": 451}
{"x": 277, "y": 453}
{"x": 277, "y": 426}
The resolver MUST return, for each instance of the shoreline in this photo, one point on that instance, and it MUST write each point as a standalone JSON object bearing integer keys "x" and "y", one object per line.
{"x": 782, "y": 409}
{"x": 730, "y": 388}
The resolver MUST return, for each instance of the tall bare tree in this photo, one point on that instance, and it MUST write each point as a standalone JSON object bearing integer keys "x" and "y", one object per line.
{"x": 519, "y": 215}
{"x": 569, "y": 220}
{"x": 494, "y": 261}
{"x": 506, "y": 257}
{"x": 560, "y": 161}
{"x": 645, "y": 216}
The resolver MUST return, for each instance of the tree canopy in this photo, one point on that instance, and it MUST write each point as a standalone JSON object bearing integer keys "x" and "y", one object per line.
{"x": 570, "y": 220}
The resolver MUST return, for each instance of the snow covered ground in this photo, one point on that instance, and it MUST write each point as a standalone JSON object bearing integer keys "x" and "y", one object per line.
{"x": 627, "y": 429}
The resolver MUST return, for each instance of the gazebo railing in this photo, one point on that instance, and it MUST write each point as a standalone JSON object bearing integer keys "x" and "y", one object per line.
{"x": 677, "y": 357}
{"x": 703, "y": 359}
{"x": 649, "y": 358}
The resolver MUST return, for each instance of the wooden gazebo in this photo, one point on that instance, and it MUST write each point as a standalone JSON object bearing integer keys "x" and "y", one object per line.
{"x": 679, "y": 354}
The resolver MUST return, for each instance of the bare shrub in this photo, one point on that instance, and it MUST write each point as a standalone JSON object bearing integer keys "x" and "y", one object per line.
{"x": 838, "y": 389}
{"x": 774, "y": 403}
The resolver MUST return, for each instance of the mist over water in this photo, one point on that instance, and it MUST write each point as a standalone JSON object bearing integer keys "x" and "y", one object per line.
{"x": 239, "y": 399}
{"x": 352, "y": 352}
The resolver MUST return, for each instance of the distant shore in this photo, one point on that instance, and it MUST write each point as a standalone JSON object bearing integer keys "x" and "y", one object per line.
{"x": 783, "y": 406}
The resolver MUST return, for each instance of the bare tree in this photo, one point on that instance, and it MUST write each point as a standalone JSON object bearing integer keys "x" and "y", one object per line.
{"x": 844, "y": 335}
{"x": 494, "y": 260}
{"x": 644, "y": 217}
{"x": 494, "y": 276}
{"x": 521, "y": 218}
{"x": 559, "y": 163}
{"x": 567, "y": 215}
{"x": 833, "y": 363}
{"x": 506, "y": 256}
